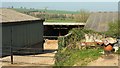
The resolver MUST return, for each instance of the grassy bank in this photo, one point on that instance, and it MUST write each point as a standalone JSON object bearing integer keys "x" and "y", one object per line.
{"x": 76, "y": 57}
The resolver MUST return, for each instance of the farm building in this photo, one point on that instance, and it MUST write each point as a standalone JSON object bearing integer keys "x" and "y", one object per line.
{"x": 98, "y": 21}
{"x": 20, "y": 31}
{"x": 59, "y": 29}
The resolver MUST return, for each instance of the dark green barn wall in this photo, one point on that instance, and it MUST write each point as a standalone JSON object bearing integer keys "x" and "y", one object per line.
{"x": 23, "y": 35}
{"x": 0, "y": 39}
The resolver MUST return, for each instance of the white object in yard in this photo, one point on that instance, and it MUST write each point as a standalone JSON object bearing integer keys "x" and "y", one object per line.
{"x": 55, "y": 51}
{"x": 106, "y": 42}
{"x": 83, "y": 44}
{"x": 102, "y": 52}
{"x": 46, "y": 40}
{"x": 91, "y": 38}
{"x": 87, "y": 37}
{"x": 97, "y": 40}
{"x": 116, "y": 48}
{"x": 118, "y": 42}
{"x": 111, "y": 40}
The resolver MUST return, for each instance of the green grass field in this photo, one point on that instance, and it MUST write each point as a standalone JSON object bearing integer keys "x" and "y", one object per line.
{"x": 52, "y": 15}
{"x": 48, "y": 11}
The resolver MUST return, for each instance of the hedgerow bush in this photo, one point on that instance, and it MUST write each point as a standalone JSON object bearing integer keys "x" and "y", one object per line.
{"x": 113, "y": 30}
{"x": 70, "y": 54}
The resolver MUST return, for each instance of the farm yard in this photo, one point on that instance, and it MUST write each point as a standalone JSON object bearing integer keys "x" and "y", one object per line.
{"x": 44, "y": 59}
{"x": 80, "y": 47}
{"x": 46, "y": 38}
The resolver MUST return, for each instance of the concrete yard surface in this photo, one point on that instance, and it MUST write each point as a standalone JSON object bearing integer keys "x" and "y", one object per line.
{"x": 31, "y": 60}
{"x": 44, "y": 59}
{"x": 111, "y": 60}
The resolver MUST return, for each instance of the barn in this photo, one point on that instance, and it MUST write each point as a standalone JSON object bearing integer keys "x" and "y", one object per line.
{"x": 20, "y": 32}
{"x": 98, "y": 21}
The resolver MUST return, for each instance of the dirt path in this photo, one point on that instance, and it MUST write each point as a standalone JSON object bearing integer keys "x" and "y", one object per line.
{"x": 111, "y": 60}
{"x": 45, "y": 59}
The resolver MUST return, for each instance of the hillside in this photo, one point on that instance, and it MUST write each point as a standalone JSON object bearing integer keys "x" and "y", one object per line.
{"x": 56, "y": 15}
{"x": 47, "y": 11}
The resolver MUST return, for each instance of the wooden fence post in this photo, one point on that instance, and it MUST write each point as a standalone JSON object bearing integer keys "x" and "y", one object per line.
{"x": 11, "y": 55}
{"x": 11, "y": 50}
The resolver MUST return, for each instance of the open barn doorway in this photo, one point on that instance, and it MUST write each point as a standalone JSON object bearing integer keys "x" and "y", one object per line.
{"x": 54, "y": 31}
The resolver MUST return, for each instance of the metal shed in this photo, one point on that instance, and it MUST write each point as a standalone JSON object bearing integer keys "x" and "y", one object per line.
{"x": 19, "y": 30}
{"x": 99, "y": 21}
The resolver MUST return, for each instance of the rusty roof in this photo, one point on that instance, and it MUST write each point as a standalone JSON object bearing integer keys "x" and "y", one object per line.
{"x": 9, "y": 15}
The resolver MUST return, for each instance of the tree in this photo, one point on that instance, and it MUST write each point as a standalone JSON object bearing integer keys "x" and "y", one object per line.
{"x": 21, "y": 7}
{"x": 12, "y": 7}
{"x": 82, "y": 16}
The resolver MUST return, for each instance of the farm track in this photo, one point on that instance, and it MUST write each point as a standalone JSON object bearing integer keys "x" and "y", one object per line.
{"x": 112, "y": 60}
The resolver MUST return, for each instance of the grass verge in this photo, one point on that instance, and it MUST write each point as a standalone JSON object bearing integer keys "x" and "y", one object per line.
{"x": 75, "y": 57}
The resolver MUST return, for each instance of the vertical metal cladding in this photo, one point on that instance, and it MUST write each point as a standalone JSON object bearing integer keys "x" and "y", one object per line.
{"x": 0, "y": 39}
{"x": 99, "y": 21}
{"x": 24, "y": 35}
{"x": 6, "y": 39}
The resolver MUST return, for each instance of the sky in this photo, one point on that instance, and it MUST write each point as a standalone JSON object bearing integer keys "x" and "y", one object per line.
{"x": 59, "y": 0}
{"x": 69, "y": 6}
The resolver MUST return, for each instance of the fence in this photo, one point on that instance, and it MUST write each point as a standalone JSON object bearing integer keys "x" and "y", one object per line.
{"x": 63, "y": 41}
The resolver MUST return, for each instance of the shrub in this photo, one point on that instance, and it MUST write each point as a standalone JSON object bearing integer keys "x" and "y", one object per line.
{"x": 113, "y": 30}
{"x": 82, "y": 16}
{"x": 69, "y": 56}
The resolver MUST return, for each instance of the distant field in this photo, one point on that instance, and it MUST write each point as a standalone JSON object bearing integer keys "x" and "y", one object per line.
{"x": 48, "y": 11}
{"x": 55, "y": 15}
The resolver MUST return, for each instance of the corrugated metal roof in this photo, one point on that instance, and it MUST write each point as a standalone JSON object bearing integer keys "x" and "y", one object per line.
{"x": 9, "y": 15}
{"x": 99, "y": 21}
{"x": 62, "y": 23}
